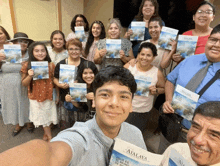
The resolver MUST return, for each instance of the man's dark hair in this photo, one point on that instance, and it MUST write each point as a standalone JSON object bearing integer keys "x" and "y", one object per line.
{"x": 209, "y": 109}
{"x": 115, "y": 73}
{"x": 157, "y": 19}
{"x": 150, "y": 46}
{"x": 215, "y": 30}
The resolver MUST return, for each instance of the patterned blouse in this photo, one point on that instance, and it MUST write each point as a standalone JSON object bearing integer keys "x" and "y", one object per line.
{"x": 126, "y": 46}
{"x": 42, "y": 89}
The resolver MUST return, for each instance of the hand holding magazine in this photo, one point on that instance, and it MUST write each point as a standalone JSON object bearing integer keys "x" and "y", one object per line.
{"x": 166, "y": 35}
{"x": 40, "y": 70}
{"x": 138, "y": 28}
{"x": 78, "y": 92}
{"x": 113, "y": 46}
{"x": 12, "y": 53}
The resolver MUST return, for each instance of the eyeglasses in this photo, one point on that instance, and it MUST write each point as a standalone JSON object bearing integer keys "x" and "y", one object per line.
{"x": 79, "y": 21}
{"x": 213, "y": 40}
{"x": 76, "y": 50}
{"x": 205, "y": 12}
{"x": 23, "y": 41}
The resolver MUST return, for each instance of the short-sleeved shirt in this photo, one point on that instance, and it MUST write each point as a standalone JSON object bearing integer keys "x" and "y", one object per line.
{"x": 202, "y": 40}
{"x": 64, "y": 92}
{"x": 126, "y": 46}
{"x": 90, "y": 146}
{"x": 41, "y": 89}
{"x": 183, "y": 73}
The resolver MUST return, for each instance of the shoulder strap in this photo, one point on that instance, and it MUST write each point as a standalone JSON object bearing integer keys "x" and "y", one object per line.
{"x": 217, "y": 75}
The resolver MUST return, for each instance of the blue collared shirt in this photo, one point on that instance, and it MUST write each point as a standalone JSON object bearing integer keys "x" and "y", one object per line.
{"x": 183, "y": 73}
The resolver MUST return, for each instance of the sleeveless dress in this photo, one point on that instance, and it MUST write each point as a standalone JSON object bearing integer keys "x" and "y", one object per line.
{"x": 14, "y": 96}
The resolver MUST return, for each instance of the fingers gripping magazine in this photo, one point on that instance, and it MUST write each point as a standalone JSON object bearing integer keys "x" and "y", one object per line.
{"x": 113, "y": 46}
{"x": 186, "y": 45}
{"x": 78, "y": 92}
{"x": 12, "y": 53}
{"x": 40, "y": 70}
{"x": 166, "y": 35}
{"x": 67, "y": 73}
{"x": 143, "y": 84}
{"x": 138, "y": 28}
{"x": 184, "y": 102}
{"x": 127, "y": 154}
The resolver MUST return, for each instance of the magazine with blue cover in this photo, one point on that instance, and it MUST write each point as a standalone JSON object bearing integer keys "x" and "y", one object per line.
{"x": 184, "y": 102}
{"x": 186, "y": 45}
{"x": 12, "y": 53}
{"x": 113, "y": 46}
{"x": 138, "y": 28}
{"x": 143, "y": 84}
{"x": 80, "y": 33}
{"x": 176, "y": 159}
{"x": 165, "y": 37}
{"x": 78, "y": 92}
{"x": 67, "y": 73}
{"x": 40, "y": 70}
{"x": 127, "y": 154}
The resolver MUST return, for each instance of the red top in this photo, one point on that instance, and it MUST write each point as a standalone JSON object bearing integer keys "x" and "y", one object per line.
{"x": 200, "y": 47}
{"x": 42, "y": 89}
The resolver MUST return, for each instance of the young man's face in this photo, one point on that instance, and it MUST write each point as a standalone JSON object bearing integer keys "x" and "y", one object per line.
{"x": 113, "y": 104}
{"x": 204, "y": 140}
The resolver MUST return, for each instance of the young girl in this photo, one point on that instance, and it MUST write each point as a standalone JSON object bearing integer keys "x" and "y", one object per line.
{"x": 40, "y": 92}
{"x": 86, "y": 74}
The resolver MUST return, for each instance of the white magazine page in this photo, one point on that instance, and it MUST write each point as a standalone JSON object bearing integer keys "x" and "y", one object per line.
{"x": 138, "y": 28}
{"x": 12, "y": 53}
{"x": 167, "y": 34}
{"x": 113, "y": 46}
{"x": 184, "y": 102}
{"x": 125, "y": 153}
{"x": 40, "y": 70}
{"x": 80, "y": 33}
{"x": 186, "y": 45}
{"x": 78, "y": 92}
{"x": 67, "y": 73}
{"x": 143, "y": 84}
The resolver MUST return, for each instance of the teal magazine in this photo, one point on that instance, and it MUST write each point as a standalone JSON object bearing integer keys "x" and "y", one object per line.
{"x": 40, "y": 70}
{"x": 66, "y": 73}
{"x": 78, "y": 92}
{"x": 165, "y": 37}
{"x": 12, "y": 53}
{"x": 138, "y": 28}
{"x": 113, "y": 46}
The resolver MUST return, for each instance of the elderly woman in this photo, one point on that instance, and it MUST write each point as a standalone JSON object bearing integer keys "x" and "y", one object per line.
{"x": 78, "y": 20}
{"x": 15, "y": 103}
{"x": 126, "y": 54}
{"x": 147, "y": 9}
{"x": 202, "y": 17}
{"x": 74, "y": 48}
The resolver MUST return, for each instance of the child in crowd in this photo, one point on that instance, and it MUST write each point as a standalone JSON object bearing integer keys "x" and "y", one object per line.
{"x": 86, "y": 74}
{"x": 40, "y": 92}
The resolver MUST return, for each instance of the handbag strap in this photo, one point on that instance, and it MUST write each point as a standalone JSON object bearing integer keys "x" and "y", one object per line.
{"x": 217, "y": 75}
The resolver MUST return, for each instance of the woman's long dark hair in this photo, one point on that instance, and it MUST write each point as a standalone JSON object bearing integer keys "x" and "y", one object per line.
{"x": 32, "y": 58}
{"x": 86, "y": 65}
{"x": 5, "y": 32}
{"x": 91, "y": 37}
{"x": 139, "y": 16}
{"x": 73, "y": 22}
